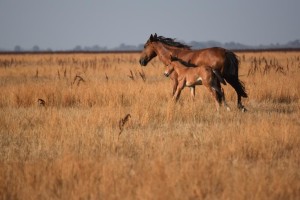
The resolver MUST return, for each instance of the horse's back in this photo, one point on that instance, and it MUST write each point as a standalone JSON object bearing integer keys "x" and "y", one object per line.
{"x": 212, "y": 53}
{"x": 214, "y": 57}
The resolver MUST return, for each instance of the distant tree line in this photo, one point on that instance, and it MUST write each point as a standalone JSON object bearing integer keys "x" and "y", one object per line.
{"x": 195, "y": 45}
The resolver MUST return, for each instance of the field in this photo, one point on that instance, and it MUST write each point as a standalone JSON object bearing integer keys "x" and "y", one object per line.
{"x": 100, "y": 126}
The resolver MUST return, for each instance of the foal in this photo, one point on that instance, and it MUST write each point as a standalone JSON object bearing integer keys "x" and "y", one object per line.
{"x": 190, "y": 75}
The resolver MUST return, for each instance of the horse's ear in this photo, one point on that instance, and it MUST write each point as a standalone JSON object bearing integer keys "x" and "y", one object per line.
{"x": 155, "y": 35}
{"x": 151, "y": 37}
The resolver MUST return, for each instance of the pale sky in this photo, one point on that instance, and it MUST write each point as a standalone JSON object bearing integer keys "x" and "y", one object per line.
{"x": 63, "y": 24}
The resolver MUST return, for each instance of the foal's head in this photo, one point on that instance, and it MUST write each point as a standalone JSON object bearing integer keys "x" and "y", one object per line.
{"x": 169, "y": 70}
{"x": 170, "y": 67}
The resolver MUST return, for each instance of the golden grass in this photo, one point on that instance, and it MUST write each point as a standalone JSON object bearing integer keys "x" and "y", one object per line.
{"x": 71, "y": 147}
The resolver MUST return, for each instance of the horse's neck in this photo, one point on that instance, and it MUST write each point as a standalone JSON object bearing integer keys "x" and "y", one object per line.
{"x": 175, "y": 50}
{"x": 163, "y": 53}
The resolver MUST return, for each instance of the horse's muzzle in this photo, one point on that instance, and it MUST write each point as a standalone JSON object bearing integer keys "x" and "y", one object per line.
{"x": 143, "y": 62}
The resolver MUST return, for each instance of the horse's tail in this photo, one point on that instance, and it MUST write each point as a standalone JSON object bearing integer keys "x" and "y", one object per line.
{"x": 231, "y": 73}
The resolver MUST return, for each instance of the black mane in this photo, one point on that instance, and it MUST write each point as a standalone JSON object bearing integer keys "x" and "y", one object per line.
{"x": 172, "y": 42}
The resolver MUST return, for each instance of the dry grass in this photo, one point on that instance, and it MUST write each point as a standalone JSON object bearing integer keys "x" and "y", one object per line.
{"x": 70, "y": 146}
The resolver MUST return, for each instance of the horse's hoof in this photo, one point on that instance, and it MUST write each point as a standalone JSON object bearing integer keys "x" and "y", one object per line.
{"x": 242, "y": 108}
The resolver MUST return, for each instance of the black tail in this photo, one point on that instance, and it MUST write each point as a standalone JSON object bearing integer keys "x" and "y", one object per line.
{"x": 231, "y": 64}
{"x": 231, "y": 73}
{"x": 237, "y": 85}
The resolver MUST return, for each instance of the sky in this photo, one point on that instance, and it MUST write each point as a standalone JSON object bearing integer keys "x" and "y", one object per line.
{"x": 64, "y": 24}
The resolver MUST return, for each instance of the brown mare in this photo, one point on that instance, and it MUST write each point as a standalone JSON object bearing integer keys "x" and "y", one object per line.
{"x": 189, "y": 76}
{"x": 224, "y": 63}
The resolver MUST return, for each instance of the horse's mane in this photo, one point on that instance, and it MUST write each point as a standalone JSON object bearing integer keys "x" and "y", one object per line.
{"x": 172, "y": 42}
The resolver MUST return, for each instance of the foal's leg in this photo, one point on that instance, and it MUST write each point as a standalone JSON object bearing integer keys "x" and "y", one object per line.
{"x": 192, "y": 89}
{"x": 180, "y": 86}
{"x": 175, "y": 85}
{"x": 214, "y": 94}
{"x": 174, "y": 77}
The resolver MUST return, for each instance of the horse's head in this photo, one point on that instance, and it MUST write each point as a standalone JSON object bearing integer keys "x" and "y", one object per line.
{"x": 169, "y": 70}
{"x": 148, "y": 52}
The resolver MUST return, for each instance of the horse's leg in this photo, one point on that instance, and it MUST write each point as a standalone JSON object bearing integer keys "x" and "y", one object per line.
{"x": 224, "y": 101}
{"x": 240, "y": 105}
{"x": 239, "y": 89}
{"x": 216, "y": 85}
{"x": 175, "y": 85}
{"x": 192, "y": 89}
{"x": 215, "y": 96}
{"x": 218, "y": 92}
{"x": 174, "y": 78}
{"x": 213, "y": 92}
{"x": 180, "y": 86}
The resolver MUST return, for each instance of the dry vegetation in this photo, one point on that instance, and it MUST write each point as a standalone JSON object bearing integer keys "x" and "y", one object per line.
{"x": 99, "y": 126}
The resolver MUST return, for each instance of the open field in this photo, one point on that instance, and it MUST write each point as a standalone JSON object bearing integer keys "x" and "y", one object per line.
{"x": 71, "y": 145}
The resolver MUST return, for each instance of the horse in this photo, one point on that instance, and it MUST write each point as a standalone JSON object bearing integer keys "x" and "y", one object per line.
{"x": 224, "y": 63}
{"x": 189, "y": 76}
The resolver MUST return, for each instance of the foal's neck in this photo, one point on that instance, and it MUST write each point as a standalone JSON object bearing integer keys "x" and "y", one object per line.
{"x": 178, "y": 67}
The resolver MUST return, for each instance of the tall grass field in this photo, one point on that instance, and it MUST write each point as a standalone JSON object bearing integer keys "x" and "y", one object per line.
{"x": 100, "y": 126}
